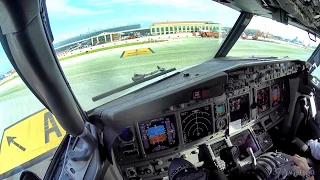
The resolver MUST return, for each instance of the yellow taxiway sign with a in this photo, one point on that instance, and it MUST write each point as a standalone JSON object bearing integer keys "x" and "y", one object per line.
{"x": 28, "y": 139}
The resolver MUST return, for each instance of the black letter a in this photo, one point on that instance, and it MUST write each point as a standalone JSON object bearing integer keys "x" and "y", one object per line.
{"x": 49, "y": 117}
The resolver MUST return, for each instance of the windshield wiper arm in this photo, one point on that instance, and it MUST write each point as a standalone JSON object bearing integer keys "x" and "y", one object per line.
{"x": 137, "y": 79}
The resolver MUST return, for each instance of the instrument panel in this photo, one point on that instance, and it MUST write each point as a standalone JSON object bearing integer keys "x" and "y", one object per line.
{"x": 258, "y": 94}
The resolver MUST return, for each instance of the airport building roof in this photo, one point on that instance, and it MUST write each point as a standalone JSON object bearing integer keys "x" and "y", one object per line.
{"x": 183, "y": 22}
{"x": 82, "y": 37}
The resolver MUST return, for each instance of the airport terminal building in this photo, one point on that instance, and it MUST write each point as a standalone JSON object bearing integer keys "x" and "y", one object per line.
{"x": 133, "y": 31}
{"x": 160, "y": 28}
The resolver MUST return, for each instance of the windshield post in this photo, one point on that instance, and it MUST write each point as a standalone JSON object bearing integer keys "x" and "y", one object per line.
{"x": 236, "y": 31}
{"x": 314, "y": 59}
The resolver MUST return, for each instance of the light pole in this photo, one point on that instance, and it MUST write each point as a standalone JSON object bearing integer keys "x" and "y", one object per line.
{"x": 89, "y": 36}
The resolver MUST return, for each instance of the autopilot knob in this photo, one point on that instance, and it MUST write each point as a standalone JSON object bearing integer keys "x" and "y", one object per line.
{"x": 148, "y": 171}
{"x": 159, "y": 162}
{"x": 161, "y": 170}
{"x": 141, "y": 172}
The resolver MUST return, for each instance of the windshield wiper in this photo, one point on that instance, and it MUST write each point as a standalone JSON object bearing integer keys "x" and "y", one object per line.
{"x": 137, "y": 79}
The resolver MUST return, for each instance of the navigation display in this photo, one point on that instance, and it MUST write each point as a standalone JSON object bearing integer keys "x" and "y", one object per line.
{"x": 276, "y": 94}
{"x": 196, "y": 123}
{"x": 239, "y": 108}
{"x": 159, "y": 134}
{"x": 243, "y": 141}
{"x": 263, "y": 99}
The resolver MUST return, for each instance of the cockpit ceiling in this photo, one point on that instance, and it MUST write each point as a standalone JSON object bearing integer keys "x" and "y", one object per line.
{"x": 304, "y": 14}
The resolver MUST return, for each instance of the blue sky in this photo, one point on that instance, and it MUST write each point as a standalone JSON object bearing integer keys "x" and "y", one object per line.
{"x": 70, "y": 18}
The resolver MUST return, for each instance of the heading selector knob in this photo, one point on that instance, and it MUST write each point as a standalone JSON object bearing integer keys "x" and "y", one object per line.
{"x": 159, "y": 162}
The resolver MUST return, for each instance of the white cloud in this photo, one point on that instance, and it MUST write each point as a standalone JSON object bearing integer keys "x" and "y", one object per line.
{"x": 62, "y": 8}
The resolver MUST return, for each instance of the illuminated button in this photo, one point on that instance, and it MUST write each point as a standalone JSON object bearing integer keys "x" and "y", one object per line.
{"x": 161, "y": 170}
{"x": 159, "y": 162}
{"x": 148, "y": 171}
{"x": 184, "y": 156}
{"x": 141, "y": 172}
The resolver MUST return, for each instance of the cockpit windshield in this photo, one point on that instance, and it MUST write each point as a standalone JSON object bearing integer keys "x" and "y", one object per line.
{"x": 108, "y": 49}
{"x": 106, "y": 43}
{"x": 265, "y": 37}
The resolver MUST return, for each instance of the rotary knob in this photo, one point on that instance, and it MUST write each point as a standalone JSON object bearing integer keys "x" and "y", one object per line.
{"x": 159, "y": 162}
{"x": 195, "y": 151}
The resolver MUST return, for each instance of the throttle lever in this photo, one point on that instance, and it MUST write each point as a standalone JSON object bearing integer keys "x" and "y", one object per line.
{"x": 284, "y": 165}
{"x": 253, "y": 158}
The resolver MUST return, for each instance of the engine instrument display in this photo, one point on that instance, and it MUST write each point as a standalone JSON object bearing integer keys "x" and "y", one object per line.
{"x": 196, "y": 123}
{"x": 243, "y": 141}
{"x": 239, "y": 108}
{"x": 276, "y": 94}
{"x": 159, "y": 134}
{"x": 263, "y": 99}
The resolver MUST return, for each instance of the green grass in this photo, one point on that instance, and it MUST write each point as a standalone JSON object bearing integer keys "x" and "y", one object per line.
{"x": 110, "y": 47}
{"x": 8, "y": 80}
